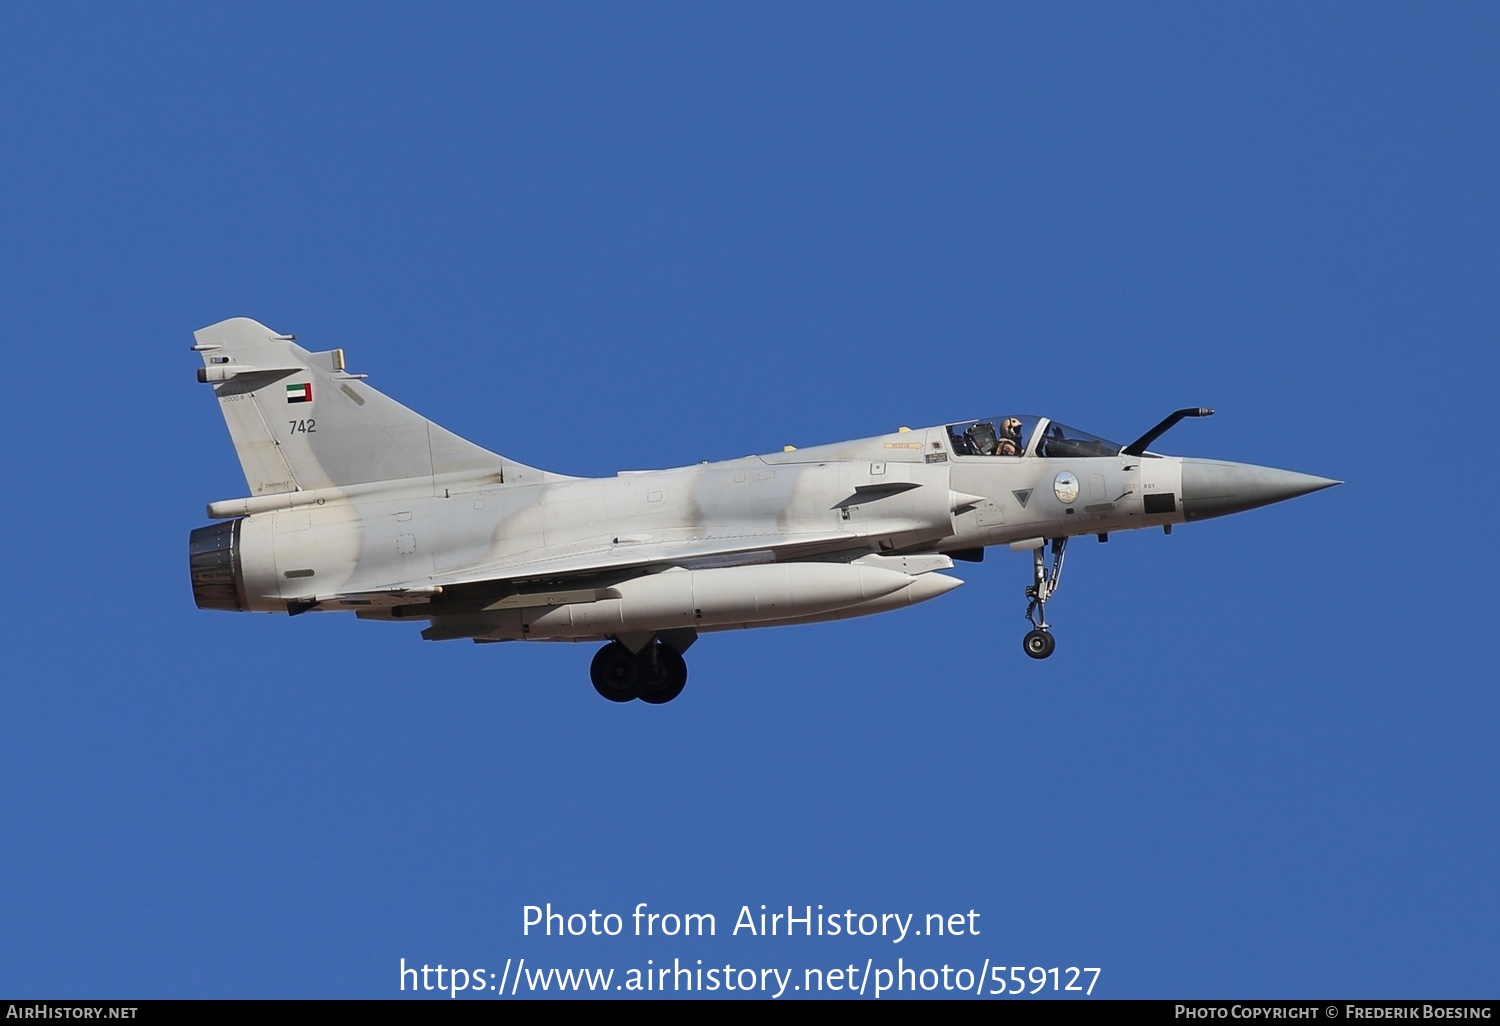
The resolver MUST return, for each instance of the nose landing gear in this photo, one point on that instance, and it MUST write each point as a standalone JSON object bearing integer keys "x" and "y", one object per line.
{"x": 1039, "y": 642}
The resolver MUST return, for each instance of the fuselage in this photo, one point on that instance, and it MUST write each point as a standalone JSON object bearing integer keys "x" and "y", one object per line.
{"x": 903, "y": 493}
{"x": 358, "y": 504}
{"x": 803, "y": 535}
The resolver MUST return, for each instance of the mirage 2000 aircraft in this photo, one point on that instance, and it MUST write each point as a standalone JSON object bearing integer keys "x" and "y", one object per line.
{"x": 358, "y": 504}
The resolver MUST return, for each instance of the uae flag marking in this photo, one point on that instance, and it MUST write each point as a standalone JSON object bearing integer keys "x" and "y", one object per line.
{"x": 299, "y": 393}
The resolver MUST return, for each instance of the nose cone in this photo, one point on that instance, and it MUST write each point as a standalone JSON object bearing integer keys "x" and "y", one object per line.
{"x": 1211, "y": 488}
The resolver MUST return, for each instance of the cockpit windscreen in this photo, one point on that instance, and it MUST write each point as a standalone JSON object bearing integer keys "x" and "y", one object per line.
{"x": 1059, "y": 440}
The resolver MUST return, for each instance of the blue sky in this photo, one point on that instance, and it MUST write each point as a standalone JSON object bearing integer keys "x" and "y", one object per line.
{"x": 1262, "y": 762}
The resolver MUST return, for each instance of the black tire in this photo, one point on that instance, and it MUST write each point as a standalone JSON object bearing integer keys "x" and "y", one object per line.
{"x": 1039, "y": 644}
{"x": 615, "y": 673}
{"x": 664, "y": 681}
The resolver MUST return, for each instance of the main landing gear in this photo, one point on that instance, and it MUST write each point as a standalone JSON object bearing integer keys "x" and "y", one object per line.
{"x": 655, "y": 675}
{"x": 1039, "y": 642}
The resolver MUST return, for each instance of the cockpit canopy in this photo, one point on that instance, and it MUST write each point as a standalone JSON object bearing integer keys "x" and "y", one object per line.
{"x": 1021, "y": 434}
{"x": 992, "y": 436}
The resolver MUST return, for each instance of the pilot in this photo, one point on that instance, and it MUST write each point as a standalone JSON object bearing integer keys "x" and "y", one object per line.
{"x": 1009, "y": 443}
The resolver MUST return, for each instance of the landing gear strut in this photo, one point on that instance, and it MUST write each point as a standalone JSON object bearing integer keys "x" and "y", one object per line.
{"x": 656, "y": 675}
{"x": 1039, "y": 642}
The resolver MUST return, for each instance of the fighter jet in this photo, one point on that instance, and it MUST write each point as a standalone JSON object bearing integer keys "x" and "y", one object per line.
{"x": 357, "y": 504}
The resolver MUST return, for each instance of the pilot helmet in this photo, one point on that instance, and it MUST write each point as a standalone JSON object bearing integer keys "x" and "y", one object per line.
{"x": 1011, "y": 428}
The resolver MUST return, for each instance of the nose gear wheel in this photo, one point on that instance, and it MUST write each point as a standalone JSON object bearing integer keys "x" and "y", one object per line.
{"x": 1039, "y": 643}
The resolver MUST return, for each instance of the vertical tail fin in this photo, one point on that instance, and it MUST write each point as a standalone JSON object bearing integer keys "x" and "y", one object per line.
{"x": 299, "y": 421}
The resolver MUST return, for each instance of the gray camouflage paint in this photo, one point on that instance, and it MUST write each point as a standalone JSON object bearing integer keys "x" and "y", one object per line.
{"x": 357, "y": 503}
